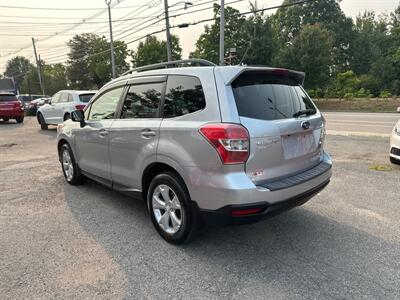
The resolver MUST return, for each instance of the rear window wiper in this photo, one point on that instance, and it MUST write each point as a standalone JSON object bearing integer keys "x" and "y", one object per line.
{"x": 306, "y": 112}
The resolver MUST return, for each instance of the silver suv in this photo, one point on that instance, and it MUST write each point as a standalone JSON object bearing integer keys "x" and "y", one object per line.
{"x": 201, "y": 144}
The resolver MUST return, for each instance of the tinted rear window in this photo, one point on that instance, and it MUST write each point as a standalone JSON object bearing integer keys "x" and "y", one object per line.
{"x": 269, "y": 97}
{"x": 184, "y": 95}
{"x": 8, "y": 98}
{"x": 85, "y": 97}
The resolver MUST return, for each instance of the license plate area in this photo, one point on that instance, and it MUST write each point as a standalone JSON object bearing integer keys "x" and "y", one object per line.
{"x": 298, "y": 144}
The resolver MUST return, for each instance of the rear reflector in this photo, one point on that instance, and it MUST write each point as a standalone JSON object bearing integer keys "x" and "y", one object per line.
{"x": 230, "y": 140}
{"x": 245, "y": 212}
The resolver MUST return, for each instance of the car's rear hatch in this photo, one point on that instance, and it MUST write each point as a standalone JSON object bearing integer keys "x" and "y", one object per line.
{"x": 9, "y": 102}
{"x": 284, "y": 125}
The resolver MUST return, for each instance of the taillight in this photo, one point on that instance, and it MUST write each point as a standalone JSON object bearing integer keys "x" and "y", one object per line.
{"x": 230, "y": 140}
{"x": 18, "y": 104}
{"x": 80, "y": 106}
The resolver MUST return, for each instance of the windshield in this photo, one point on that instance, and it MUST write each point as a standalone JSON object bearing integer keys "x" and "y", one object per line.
{"x": 85, "y": 98}
{"x": 270, "y": 97}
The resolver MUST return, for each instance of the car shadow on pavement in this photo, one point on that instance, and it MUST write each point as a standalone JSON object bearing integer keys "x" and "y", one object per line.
{"x": 298, "y": 254}
{"x": 51, "y": 132}
{"x": 10, "y": 124}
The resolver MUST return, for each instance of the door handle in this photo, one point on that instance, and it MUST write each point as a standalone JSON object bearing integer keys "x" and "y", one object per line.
{"x": 148, "y": 133}
{"x": 103, "y": 133}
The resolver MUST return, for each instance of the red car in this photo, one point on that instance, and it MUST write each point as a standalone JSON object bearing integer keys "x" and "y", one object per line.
{"x": 11, "y": 108}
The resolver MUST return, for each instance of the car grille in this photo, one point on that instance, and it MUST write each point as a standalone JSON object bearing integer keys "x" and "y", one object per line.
{"x": 395, "y": 151}
{"x": 297, "y": 179}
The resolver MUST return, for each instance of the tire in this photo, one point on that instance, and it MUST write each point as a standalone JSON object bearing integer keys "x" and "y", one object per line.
{"x": 42, "y": 122}
{"x": 20, "y": 120}
{"x": 71, "y": 171}
{"x": 67, "y": 116}
{"x": 165, "y": 214}
{"x": 6, "y": 119}
{"x": 394, "y": 161}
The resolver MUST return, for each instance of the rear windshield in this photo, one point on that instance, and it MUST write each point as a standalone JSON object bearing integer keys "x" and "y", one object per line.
{"x": 8, "y": 98}
{"x": 85, "y": 97}
{"x": 270, "y": 97}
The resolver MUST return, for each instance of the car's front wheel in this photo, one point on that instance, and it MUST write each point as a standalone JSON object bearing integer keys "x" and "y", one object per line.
{"x": 170, "y": 209}
{"x": 71, "y": 171}
{"x": 42, "y": 122}
{"x": 20, "y": 120}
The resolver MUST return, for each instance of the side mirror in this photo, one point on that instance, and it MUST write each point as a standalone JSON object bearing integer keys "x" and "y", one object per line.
{"x": 78, "y": 116}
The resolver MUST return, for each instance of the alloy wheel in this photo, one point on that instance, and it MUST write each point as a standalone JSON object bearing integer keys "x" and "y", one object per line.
{"x": 167, "y": 209}
{"x": 67, "y": 165}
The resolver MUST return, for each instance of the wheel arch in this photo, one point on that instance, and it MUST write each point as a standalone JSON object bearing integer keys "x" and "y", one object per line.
{"x": 153, "y": 170}
{"x": 60, "y": 143}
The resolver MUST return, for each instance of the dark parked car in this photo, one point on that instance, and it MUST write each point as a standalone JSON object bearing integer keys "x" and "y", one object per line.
{"x": 26, "y": 98}
{"x": 11, "y": 108}
{"x": 33, "y": 106}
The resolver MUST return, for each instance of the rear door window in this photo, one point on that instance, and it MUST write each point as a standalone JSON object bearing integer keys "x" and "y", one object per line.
{"x": 142, "y": 101}
{"x": 184, "y": 95}
{"x": 269, "y": 97}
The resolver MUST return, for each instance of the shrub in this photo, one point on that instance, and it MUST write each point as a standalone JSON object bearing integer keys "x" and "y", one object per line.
{"x": 385, "y": 94}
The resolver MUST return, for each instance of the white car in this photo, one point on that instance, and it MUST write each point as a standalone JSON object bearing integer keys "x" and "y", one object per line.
{"x": 61, "y": 105}
{"x": 395, "y": 144}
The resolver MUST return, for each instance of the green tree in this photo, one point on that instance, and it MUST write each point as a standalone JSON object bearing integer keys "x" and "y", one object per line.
{"x": 55, "y": 78}
{"x": 289, "y": 21}
{"x": 311, "y": 52}
{"x": 371, "y": 36}
{"x": 18, "y": 68}
{"x": 89, "y": 62}
{"x": 153, "y": 51}
{"x": 236, "y": 36}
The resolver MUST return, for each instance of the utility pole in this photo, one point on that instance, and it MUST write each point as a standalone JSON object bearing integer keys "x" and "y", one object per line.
{"x": 108, "y": 2}
{"x": 222, "y": 34}
{"x": 38, "y": 66}
{"x": 169, "y": 51}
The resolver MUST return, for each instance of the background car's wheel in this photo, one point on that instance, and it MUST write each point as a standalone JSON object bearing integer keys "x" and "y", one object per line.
{"x": 20, "y": 119}
{"x": 67, "y": 116}
{"x": 70, "y": 169}
{"x": 6, "y": 119}
{"x": 169, "y": 205}
{"x": 394, "y": 161}
{"x": 42, "y": 122}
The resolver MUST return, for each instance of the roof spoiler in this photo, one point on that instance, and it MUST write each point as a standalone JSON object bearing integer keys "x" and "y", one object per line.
{"x": 299, "y": 77}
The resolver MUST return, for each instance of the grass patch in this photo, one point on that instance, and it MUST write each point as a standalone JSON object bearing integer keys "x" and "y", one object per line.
{"x": 363, "y": 105}
{"x": 384, "y": 168}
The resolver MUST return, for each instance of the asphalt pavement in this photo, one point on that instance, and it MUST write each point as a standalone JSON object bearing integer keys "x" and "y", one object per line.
{"x": 88, "y": 242}
{"x": 378, "y": 124}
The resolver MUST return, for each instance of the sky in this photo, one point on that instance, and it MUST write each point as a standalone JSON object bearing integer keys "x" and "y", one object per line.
{"x": 133, "y": 19}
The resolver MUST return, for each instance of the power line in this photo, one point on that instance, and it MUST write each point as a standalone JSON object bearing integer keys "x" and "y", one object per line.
{"x": 64, "y": 8}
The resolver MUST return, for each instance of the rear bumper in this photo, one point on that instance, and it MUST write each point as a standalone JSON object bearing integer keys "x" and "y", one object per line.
{"x": 224, "y": 216}
{"x": 11, "y": 113}
{"x": 213, "y": 191}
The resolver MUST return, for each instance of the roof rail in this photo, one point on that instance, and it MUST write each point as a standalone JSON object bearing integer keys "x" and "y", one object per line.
{"x": 174, "y": 63}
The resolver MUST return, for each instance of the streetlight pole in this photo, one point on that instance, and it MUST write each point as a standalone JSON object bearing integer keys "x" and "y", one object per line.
{"x": 169, "y": 50}
{"x": 108, "y": 2}
{"x": 222, "y": 33}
